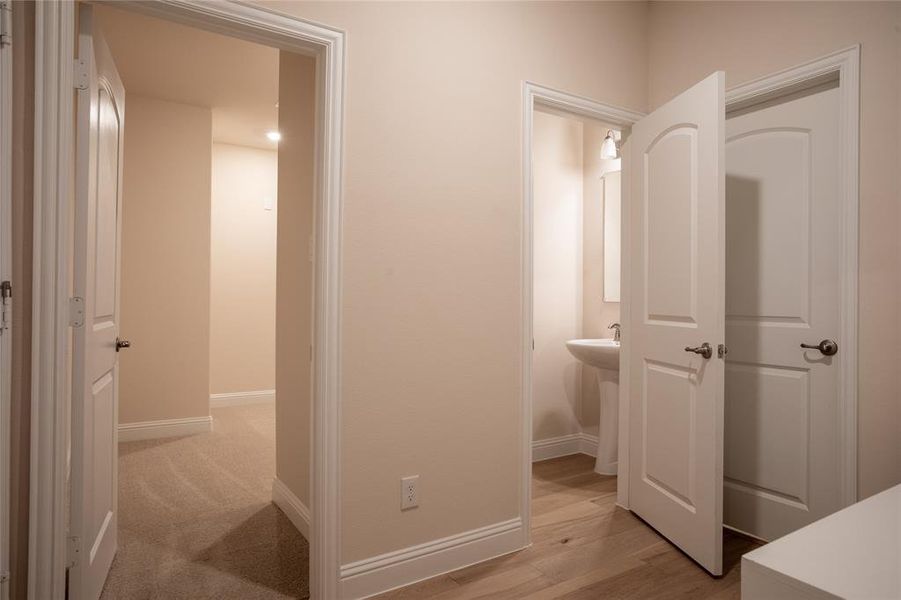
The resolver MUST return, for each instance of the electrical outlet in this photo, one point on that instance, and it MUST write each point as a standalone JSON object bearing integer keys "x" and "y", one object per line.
{"x": 409, "y": 495}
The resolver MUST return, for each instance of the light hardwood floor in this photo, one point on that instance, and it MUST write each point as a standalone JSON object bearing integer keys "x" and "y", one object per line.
{"x": 585, "y": 547}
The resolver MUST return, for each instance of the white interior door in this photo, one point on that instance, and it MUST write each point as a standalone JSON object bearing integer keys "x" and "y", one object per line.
{"x": 98, "y": 163}
{"x": 783, "y": 288}
{"x": 677, "y": 281}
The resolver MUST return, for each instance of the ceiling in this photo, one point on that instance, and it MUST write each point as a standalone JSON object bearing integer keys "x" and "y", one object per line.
{"x": 238, "y": 80}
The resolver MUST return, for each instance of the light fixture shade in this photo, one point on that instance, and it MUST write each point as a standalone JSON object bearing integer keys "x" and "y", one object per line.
{"x": 608, "y": 148}
{"x": 273, "y": 136}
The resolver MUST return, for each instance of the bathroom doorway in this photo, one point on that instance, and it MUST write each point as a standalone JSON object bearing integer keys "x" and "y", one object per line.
{"x": 571, "y": 490}
{"x": 572, "y": 179}
{"x": 576, "y": 199}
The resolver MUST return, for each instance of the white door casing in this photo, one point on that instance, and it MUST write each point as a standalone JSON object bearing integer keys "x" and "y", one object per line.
{"x": 677, "y": 245}
{"x": 95, "y": 376}
{"x": 6, "y": 308}
{"x": 783, "y": 288}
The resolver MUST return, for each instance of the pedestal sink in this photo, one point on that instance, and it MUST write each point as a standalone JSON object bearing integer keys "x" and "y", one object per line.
{"x": 603, "y": 357}
{"x": 603, "y": 354}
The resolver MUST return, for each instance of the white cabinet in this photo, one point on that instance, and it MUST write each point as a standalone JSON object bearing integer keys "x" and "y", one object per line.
{"x": 854, "y": 553}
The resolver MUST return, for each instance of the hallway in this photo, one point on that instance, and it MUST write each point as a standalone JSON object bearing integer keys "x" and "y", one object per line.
{"x": 196, "y": 517}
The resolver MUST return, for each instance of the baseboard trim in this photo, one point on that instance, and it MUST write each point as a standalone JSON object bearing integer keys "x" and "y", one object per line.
{"x": 565, "y": 445}
{"x": 385, "y": 572}
{"x": 149, "y": 430}
{"x": 296, "y": 511}
{"x": 238, "y": 398}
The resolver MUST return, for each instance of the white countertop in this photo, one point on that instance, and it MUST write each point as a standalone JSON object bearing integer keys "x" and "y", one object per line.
{"x": 854, "y": 553}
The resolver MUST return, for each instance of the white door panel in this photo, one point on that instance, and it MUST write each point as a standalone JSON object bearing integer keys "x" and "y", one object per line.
{"x": 99, "y": 151}
{"x": 677, "y": 290}
{"x": 782, "y": 289}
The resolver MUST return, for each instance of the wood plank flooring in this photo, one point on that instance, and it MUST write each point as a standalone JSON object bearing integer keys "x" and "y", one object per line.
{"x": 584, "y": 547}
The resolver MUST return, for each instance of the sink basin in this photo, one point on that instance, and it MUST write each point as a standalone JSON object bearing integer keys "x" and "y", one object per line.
{"x": 603, "y": 354}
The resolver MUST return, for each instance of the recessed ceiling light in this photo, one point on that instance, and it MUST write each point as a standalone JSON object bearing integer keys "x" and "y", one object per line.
{"x": 273, "y": 136}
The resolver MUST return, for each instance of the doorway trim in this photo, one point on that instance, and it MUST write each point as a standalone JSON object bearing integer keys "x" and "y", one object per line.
{"x": 844, "y": 64}
{"x": 6, "y": 161}
{"x": 535, "y": 95}
{"x": 51, "y": 353}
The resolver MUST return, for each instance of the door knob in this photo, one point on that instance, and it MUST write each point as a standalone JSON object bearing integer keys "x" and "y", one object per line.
{"x": 122, "y": 344}
{"x": 827, "y": 347}
{"x": 705, "y": 350}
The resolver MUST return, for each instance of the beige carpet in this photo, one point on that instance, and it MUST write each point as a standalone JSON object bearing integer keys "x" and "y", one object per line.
{"x": 196, "y": 518}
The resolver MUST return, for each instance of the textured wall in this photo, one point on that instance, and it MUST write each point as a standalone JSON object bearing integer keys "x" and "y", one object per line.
{"x": 165, "y": 279}
{"x": 432, "y": 280}
{"x": 294, "y": 297}
{"x": 242, "y": 269}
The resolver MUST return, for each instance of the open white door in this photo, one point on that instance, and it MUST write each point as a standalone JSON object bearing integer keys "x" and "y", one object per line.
{"x": 677, "y": 248}
{"x": 95, "y": 375}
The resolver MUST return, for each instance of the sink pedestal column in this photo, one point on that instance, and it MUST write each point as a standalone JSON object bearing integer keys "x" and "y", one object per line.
{"x": 608, "y": 431}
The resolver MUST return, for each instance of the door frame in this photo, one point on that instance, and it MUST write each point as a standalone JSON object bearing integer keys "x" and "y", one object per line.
{"x": 54, "y": 188}
{"x": 6, "y": 97}
{"x": 845, "y": 66}
{"x": 534, "y": 95}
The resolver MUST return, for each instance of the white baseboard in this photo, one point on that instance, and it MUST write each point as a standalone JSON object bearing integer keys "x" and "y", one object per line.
{"x": 148, "y": 430}
{"x": 565, "y": 445}
{"x": 291, "y": 505}
{"x": 237, "y": 398}
{"x": 378, "y": 574}
{"x": 588, "y": 444}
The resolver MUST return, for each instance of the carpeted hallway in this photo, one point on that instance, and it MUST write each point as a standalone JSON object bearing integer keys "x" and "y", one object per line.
{"x": 196, "y": 520}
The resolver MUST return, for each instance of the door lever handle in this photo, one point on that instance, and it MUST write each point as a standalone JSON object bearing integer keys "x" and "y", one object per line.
{"x": 705, "y": 350}
{"x": 827, "y": 347}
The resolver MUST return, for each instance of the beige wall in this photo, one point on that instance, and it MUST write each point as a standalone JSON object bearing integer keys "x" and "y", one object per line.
{"x": 165, "y": 279}
{"x": 748, "y": 40}
{"x": 294, "y": 298}
{"x": 596, "y": 314}
{"x": 242, "y": 269}
{"x": 557, "y": 273}
{"x": 431, "y": 333}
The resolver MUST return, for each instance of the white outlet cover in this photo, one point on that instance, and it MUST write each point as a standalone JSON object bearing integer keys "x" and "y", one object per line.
{"x": 409, "y": 492}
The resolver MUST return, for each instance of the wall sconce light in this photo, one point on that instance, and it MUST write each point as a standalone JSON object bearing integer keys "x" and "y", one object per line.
{"x": 608, "y": 147}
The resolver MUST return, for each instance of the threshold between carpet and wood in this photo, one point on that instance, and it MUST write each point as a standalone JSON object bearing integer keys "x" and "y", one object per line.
{"x": 196, "y": 518}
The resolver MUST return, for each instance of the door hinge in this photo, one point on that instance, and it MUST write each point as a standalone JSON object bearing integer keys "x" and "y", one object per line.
{"x": 6, "y": 36}
{"x": 81, "y": 77}
{"x": 6, "y": 294}
{"x": 76, "y": 311}
{"x": 73, "y": 551}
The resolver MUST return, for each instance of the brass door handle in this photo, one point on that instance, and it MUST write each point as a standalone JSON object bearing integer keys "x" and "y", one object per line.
{"x": 827, "y": 347}
{"x": 705, "y": 350}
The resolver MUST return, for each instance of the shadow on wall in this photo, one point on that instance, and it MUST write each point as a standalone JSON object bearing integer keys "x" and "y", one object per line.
{"x": 741, "y": 422}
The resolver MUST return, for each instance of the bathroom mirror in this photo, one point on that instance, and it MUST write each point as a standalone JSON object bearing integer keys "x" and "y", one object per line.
{"x": 612, "y": 210}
